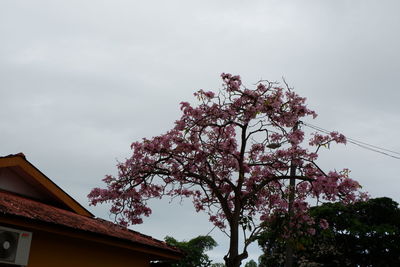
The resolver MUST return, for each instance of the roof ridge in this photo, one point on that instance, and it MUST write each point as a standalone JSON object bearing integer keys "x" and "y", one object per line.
{"x": 20, "y": 154}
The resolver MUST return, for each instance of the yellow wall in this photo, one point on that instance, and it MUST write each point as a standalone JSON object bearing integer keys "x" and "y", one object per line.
{"x": 52, "y": 250}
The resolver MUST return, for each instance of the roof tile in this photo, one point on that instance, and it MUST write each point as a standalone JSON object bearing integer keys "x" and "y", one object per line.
{"x": 19, "y": 206}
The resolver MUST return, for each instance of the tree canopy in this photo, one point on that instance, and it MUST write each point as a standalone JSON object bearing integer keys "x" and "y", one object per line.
{"x": 233, "y": 154}
{"x": 251, "y": 263}
{"x": 359, "y": 234}
{"x": 194, "y": 250}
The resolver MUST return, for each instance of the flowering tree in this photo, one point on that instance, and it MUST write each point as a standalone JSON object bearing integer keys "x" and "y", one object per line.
{"x": 233, "y": 155}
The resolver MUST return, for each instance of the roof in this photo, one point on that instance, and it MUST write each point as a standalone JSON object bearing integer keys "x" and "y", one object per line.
{"x": 33, "y": 176}
{"x": 27, "y": 194}
{"x": 11, "y": 204}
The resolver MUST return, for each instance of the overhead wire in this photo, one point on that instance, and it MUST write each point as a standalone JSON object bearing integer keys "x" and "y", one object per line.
{"x": 351, "y": 139}
{"x": 361, "y": 144}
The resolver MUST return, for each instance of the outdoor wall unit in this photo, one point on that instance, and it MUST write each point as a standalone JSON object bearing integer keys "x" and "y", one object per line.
{"x": 14, "y": 246}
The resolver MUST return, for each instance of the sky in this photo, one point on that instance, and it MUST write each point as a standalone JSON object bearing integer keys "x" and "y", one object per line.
{"x": 81, "y": 80}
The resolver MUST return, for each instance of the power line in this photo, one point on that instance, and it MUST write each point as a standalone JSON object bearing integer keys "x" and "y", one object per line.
{"x": 361, "y": 144}
{"x": 351, "y": 139}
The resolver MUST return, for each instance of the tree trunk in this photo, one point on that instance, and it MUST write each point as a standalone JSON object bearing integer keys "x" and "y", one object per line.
{"x": 233, "y": 259}
{"x": 292, "y": 192}
{"x": 289, "y": 241}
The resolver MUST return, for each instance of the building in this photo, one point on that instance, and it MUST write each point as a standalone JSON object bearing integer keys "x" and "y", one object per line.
{"x": 42, "y": 225}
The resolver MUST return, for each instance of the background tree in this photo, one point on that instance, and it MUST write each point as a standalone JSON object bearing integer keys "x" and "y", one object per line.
{"x": 194, "y": 250}
{"x": 359, "y": 234}
{"x": 251, "y": 263}
{"x": 232, "y": 154}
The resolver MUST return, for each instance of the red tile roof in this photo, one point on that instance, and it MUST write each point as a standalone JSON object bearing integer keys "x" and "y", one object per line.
{"x": 20, "y": 154}
{"x": 11, "y": 204}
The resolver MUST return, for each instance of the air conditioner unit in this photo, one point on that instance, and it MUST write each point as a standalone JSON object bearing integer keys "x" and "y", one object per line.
{"x": 14, "y": 246}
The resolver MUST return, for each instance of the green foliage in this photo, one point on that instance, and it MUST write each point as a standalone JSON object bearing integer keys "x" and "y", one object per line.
{"x": 194, "y": 250}
{"x": 360, "y": 234}
{"x": 250, "y": 263}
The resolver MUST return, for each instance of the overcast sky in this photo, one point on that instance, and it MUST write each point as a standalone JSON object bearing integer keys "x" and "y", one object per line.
{"x": 80, "y": 80}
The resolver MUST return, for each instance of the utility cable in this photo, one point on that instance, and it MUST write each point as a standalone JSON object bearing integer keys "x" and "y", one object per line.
{"x": 364, "y": 145}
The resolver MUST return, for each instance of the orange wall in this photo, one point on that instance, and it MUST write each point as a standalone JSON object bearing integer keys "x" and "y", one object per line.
{"x": 51, "y": 250}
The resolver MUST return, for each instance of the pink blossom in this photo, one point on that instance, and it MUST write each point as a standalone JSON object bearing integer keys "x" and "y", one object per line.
{"x": 311, "y": 231}
{"x": 323, "y": 224}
